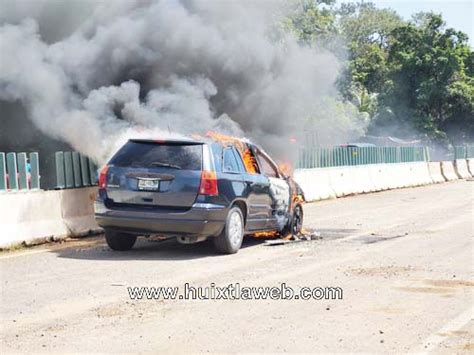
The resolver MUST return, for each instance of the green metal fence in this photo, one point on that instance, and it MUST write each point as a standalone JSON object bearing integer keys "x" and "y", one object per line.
{"x": 19, "y": 171}
{"x": 470, "y": 152}
{"x": 348, "y": 156}
{"x": 464, "y": 152}
{"x": 74, "y": 170}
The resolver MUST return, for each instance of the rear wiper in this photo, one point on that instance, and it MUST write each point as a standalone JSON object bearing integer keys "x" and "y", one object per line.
{"x": 166, "y": 165}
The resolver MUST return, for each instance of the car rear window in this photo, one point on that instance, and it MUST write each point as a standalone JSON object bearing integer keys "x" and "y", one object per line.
{"x": 159, "y": 155}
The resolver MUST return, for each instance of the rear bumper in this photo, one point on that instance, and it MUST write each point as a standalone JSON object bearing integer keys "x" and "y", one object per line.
{"x": 201, "y": 220}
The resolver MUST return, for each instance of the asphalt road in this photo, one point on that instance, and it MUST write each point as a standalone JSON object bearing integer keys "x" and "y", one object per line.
{"x": 403, "y": 258}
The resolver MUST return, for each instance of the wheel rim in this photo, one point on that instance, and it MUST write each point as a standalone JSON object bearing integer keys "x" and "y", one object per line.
{"x": 235, "y": 228}
{"x": 297, "y": 220}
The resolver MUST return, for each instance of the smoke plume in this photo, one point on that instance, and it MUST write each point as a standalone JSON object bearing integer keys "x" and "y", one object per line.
{"x": 93, "y": 73}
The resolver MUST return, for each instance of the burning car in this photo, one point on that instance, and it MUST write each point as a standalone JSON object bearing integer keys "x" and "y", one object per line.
{"x": 215, "y": 187}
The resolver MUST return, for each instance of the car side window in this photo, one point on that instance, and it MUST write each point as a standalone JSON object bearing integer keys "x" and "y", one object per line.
{"x": 239, "y": 160}
{"x": 229, "y": 164}
{"x": 266, "y": 166}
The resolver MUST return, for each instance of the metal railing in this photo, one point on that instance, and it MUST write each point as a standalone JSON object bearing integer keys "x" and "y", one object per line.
{"x": 19, "y": 171}
{"x": 464, "y": 152}
{"x": 349, "y": 156}
{"x": 74, "y": 170}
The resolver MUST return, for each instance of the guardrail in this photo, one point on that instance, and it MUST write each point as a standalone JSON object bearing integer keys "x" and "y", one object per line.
{"x": 74, "y": 170}
{"x": 348, "y": 156}
{"x": 19, "y": 171}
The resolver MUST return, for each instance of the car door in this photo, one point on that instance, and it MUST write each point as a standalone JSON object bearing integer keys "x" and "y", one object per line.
{"x": 257, "y": 191}
{"x": 278, "y": 193}
{"x": 231, "y": 181}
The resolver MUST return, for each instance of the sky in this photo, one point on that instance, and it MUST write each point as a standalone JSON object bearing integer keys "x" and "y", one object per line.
{"x": 458, "y": 14}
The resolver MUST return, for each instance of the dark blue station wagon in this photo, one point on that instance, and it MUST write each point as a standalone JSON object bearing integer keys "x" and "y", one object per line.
{"x": 193, "y": 190}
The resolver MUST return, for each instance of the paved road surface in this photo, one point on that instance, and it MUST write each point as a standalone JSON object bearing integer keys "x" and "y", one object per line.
{"x": 403, "y": 258}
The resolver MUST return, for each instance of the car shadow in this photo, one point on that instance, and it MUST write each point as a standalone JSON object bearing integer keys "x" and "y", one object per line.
{"x": 145, "y": 249}
{"x": 95, "y": 248}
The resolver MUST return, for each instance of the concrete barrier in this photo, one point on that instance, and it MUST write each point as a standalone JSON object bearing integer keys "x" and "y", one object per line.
{"x": 341, "y": 181}
{"x": 449, "y": 173}
{"x": 470, "y": 166}
{"x": 380, "y": 176}
{"x": 461, "y": 169}
{"x": 323, "y": 183}
{"x": 77, "y": 210}
{"x": 399, "y": 175}
{"x": 420, "y": 174}
{"x": 36, "y": 216}
{"x": 435, "y": 171}
{"x": 362, "y": 179}
{"x": 315, "y": 183}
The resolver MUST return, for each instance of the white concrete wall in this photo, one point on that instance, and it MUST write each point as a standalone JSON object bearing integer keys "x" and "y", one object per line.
{"x": 348, "y": 180}
{"x": 315, "y": 183}
{"x": 470, "y": 166}
{"x": 462, "y": 169}
{"x": 435, "y": 171}
{"x": 35, "y": 216}
{"x": 449, "y": 173}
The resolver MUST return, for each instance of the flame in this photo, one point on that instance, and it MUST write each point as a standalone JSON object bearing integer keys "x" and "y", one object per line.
{"x": 286, "y": 168}
{"x": 247, "y": 156}
{"x": 298, "y": 198}
{"x": 271, "y": 234}
{"x": 249, "y": 161}
{"x": 225, "y": 139}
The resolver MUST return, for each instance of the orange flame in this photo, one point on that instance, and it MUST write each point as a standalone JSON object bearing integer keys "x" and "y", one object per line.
{"x": 286, "y": 168}
{"x": 247, "y": 156}
{"x": 225, "y": 139}
{"x": 271, "y": 234}
{"x": 249, "y": 161}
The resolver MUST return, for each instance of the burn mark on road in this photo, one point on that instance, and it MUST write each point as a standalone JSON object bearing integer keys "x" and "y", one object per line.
{"x": 378, "y": 239}
{"x": 336, "y": 233}
{"x": 435, "y": 290}
{"x": 450, "y": 283}
{"x": 385, "y": 271}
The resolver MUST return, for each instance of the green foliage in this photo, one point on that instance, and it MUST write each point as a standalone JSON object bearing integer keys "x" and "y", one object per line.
{"x": 364, "y": 24}
{"x": 412, "y": 78}
{"x": 310, "y": 21}
{"x": 428, "y": 84}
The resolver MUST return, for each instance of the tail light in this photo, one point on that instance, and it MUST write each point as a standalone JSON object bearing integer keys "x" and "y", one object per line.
{"x": 103, "y": 177}
{"x": 208, "y": 183}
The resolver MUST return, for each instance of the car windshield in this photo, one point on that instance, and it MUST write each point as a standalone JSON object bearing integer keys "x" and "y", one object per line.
{"x": 153, "y": 155}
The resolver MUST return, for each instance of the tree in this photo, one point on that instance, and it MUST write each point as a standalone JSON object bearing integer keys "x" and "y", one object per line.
{"x": 312, "y": 21}
{"x": 366, "y": 30}
{"x": 412, "y": 78}
{"x": 428, "y": 86}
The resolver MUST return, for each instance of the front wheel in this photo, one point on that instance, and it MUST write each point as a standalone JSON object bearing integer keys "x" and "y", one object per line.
{"x": 231, "y": 237}
{"x": 295, "y": 224}
{"x": 120, "y": 241}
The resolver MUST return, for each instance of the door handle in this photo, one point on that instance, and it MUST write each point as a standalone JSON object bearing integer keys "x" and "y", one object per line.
{"x": 250, "y": 182}
{"x": 256, "y": 183}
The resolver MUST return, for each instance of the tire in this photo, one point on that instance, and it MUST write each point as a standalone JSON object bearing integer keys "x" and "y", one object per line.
{"x": 120, "y": 241}
{"x": 231, "y": 237}
{"x": 295, "y": 225}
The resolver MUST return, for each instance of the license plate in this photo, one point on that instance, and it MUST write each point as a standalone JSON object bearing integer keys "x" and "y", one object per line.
{"x": 148, "y": 185}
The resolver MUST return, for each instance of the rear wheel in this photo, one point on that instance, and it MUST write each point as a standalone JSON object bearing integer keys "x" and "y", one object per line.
{"x": 120, "y": 241}
{"x": 231, "y": 237}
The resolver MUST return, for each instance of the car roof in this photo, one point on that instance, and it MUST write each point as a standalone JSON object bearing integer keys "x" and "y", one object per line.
{"x": 168, "y": 141}
{"x": 194, "y": 141}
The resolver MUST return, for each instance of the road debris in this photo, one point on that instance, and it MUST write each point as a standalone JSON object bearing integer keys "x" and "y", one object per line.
{"x": 303, "y": 236}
